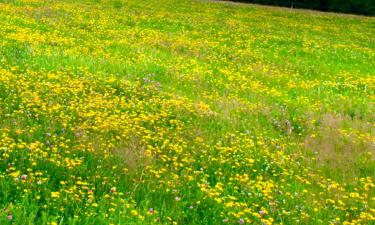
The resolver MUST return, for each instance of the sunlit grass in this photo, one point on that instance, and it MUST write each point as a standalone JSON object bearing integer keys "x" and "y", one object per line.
{"x": 184, "y": 112}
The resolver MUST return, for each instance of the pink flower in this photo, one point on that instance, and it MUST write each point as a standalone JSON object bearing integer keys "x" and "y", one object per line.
{"x": 241, "y": 221}
{"x": 151, "y": 210}
{"x": 24, "y": 177}
{"x": 225, "y": 220}
{"x": 113, "y": 190}
{"x": 10, "y": 217}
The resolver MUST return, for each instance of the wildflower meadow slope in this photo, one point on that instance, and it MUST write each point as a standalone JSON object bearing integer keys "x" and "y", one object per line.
{"x": 184, "y": 112}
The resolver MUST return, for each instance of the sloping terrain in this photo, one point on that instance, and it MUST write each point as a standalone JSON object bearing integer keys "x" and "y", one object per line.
{"x": 184, "y": 112}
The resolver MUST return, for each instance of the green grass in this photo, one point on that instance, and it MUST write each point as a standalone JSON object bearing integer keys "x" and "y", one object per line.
{"x": 184, "y": 112}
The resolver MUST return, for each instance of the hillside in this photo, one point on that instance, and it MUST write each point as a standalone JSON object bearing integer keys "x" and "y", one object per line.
{"x": 184, "y": 112}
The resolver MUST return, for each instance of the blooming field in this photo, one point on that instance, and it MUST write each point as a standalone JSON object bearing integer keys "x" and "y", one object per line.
{"x": 184, "y": 112}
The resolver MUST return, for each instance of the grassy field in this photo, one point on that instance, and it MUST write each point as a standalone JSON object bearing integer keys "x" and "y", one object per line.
{"x": 184, "y": 112}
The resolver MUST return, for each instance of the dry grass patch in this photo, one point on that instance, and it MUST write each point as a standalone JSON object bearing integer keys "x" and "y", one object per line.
{"x": 339, "y": 149}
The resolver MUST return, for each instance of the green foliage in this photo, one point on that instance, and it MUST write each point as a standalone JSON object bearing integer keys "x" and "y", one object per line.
{"x": 365, "y": 7}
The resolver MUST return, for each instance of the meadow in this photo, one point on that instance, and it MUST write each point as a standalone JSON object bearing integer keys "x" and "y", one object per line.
{"x": 184, "y": 112}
